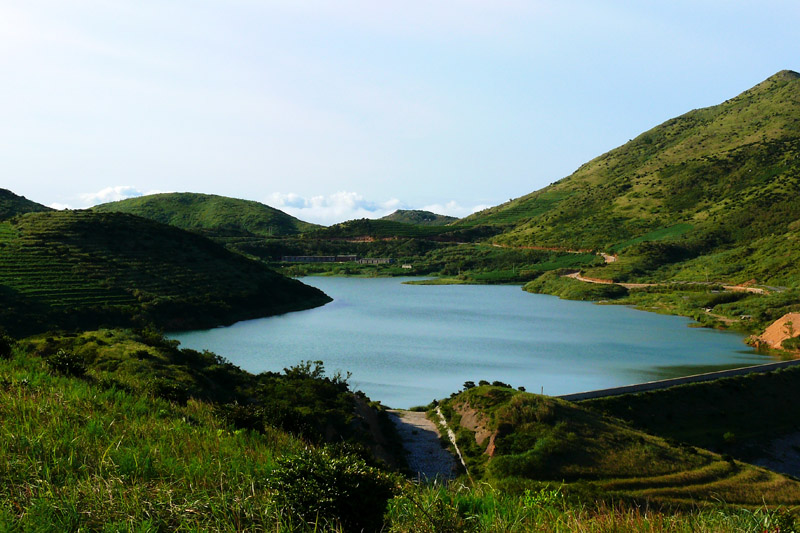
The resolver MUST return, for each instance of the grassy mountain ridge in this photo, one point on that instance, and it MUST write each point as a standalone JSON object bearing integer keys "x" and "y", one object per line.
{"x": 710, "y": 180}
{"x": 209, "y": 213}
{"x": 84, "y": 269}
{"x": 417, "y": 216}
{"x": 12, "y": 205}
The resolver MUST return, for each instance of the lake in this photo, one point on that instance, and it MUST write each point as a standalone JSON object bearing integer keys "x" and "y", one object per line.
{"x": 406, "y": 345}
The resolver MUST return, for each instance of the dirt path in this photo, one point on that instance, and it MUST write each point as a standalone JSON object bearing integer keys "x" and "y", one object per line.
{"x": 577, "y": 276}
{"x": 424, "y": 453}
{"x": 736, "y": 288}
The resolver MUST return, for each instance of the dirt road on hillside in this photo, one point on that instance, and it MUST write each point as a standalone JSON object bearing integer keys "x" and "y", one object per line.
{"x": 424, "y": 453}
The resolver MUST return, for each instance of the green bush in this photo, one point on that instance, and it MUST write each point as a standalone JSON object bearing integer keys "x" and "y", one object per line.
{"x": 791, "y": 344}
{"x": 67, "y": 363}
{"x": 321, "y": 485}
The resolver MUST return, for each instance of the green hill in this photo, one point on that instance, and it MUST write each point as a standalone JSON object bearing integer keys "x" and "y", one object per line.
{"x": 73, "y": 269}
{"x": 210, "y": 214}
{"x": 716, "y": 188}
{"x": 12, "y": 205}
{"x": 511, "y": 437}
{"x": 416, "y": 216}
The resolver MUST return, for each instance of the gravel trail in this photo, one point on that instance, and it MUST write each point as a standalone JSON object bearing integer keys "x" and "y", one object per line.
{"x": 424, "y": 453}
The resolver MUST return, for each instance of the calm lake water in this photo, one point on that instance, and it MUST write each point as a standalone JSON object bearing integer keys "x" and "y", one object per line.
{"x": 406, "y": 345}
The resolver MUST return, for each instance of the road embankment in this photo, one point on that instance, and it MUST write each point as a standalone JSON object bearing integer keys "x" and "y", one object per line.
{"x": 666, "y": 383}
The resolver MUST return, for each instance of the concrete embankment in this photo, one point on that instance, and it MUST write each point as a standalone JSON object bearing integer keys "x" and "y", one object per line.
{"x": 666, "y": 383}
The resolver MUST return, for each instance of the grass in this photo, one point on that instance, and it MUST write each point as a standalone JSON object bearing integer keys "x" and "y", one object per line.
{"x": 84, "y": 456}
{"x": 702, "y": 414}
{"x": 12, "y": 205}
{"x": 301, "y": 400}
{"x": 657, "y": 235}
{"x": 547, "y": 508}
{"x": 571, "y": 289}
{"x": 416, "y": 216}
{"x": 541, "y": 439}
{"x": 91, "y": 453}
{"x": 210, "y": 214}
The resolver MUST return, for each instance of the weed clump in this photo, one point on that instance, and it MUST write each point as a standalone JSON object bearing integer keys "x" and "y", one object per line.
{"x": 67, "y": 364}
{"x": 324, "y": 485}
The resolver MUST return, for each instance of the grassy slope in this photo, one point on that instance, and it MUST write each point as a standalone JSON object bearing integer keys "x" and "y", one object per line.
{"x": 12, "y": 205}
{"x": 208, "y": 213}
{"x": 82, "y": 269}
{"x": 380, "y": 229}
{"x": 722, "y": 182}
{"x": 82, "y": 455}
{"x": 95, "y": 453}
{"x": 751, "y": 410}
{"x": 416, "y": 216}
{"x": 123, "y": 430}
{"x": 546, "y": 439}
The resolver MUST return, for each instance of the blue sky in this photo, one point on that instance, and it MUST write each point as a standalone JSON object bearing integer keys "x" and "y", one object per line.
{"x": 333, "y": 110}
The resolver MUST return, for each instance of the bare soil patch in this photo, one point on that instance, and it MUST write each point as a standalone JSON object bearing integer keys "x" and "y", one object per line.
{"x": 785, "y": 327}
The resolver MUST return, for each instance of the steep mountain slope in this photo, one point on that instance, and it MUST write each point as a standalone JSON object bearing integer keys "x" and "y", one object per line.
{"x": 711, "y": 180}
{"x": 12, "y": 204}
{"x": 416, "y": 216}
{"x": 211, "y": 214}
{"x": 83, "y": 269}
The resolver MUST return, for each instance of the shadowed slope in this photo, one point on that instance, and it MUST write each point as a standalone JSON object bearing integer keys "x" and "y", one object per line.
{"x": 12, "y": 205}
{"x": 84, "y": 269}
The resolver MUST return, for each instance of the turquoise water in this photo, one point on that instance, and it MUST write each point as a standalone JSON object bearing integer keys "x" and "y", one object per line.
{"x": 406, "y": 345}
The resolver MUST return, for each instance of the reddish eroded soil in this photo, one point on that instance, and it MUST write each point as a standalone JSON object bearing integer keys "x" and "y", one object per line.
{"x": 785, "y": 327}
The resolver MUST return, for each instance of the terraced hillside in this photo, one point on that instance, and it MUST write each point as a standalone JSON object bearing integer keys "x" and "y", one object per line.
{"x": 509, "y": 435}
{"x": 210, "y": 214}
{"x": 12, "y": 204}
{"x": 83, "y": 269}
{"x": 719, "y": 183}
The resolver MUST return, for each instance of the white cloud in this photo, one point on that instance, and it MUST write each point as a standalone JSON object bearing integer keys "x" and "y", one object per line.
{"x": 348, "y": 205}
{"x": 334, "y": 208}
{"x": 59, "y": 206}
{"x": 453, "y": 209}
{"x": 113, "y": 194}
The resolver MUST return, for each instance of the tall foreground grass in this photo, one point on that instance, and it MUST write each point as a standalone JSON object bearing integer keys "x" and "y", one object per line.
{"x": 440, "y": 509}
{"x": 78, "y": 455}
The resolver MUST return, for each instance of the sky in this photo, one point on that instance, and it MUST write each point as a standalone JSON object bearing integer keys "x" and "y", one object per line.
{"x": 342, "y": 109}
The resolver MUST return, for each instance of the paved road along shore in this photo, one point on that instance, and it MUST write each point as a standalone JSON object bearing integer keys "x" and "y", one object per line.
{"x": 666, "y": 383}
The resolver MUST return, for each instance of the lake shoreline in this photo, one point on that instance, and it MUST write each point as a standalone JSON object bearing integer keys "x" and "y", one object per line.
{"x": 409, "y": 344}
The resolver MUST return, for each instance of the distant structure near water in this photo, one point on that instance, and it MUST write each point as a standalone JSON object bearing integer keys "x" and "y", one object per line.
{"x": 336, "y": 259}
{"x": 375, "y": 261}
